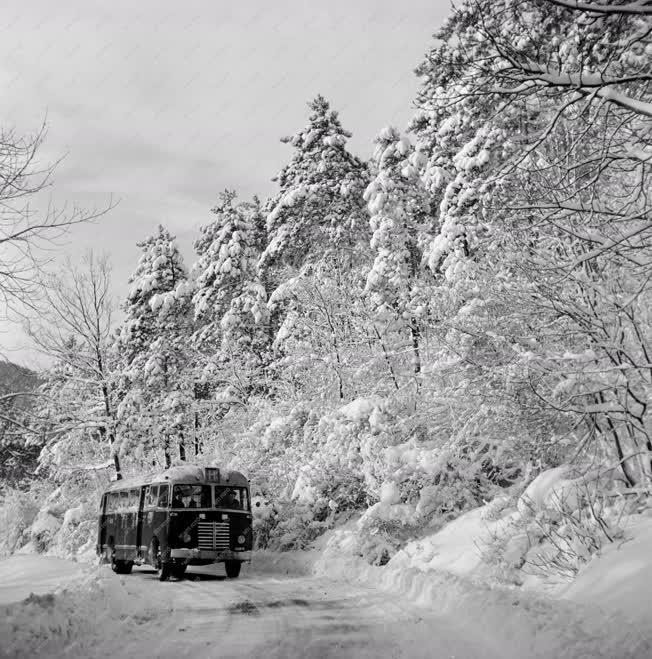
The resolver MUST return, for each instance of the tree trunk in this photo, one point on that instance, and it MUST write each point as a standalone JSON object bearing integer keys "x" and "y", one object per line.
{"x": 118, "y": 471}
{"x": 166, "y": 452}
{"x": 416, "y": 351}
{"x": 197, "y": 445}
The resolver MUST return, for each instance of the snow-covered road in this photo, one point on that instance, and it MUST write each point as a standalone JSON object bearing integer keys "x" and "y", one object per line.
{"x": 268, "y": 616}
{"x": 54, "y": 608}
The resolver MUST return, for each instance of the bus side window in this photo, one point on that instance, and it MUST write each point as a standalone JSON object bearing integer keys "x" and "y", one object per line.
{"x": 163, "y": 495}
{"x": 152, "y": 496}
{"x": 124, "y": 501}
{"x": 245, "y": 499}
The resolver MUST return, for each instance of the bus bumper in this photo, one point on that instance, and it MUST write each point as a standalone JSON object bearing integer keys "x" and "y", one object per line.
{"x": 210, "y": 555}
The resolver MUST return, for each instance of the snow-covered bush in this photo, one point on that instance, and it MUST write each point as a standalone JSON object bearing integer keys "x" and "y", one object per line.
{"x": 557, "y": 525}
{"x": 386, "y": 526}
{"x": 296, "y": 525}
{"x": 61, "y": 523}
{"x": 264, "y": 520}
{"x": 78, "y": 531}
{"x": 570, "y": 532}
{"x": 43, "y": 531}
{"x": 18, "y": 510}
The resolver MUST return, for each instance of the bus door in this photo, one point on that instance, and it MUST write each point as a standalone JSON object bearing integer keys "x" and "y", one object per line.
{"x": 142, "y": 491}
{"x": 162, "y": 514}
{"x": 131, "y": 522}
{"x": 149, "y": 496}
{"x": 121, "y": 524}
{"x": 155, "y": 515}
{"x": 101, "y": 536}
{"x": 110, "y": 518}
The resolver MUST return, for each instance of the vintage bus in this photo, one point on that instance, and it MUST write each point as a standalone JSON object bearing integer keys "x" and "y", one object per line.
{"x": 182, "y": 516}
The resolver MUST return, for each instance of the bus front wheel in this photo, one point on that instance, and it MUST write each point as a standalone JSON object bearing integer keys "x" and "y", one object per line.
{"x": 232, "y": 569}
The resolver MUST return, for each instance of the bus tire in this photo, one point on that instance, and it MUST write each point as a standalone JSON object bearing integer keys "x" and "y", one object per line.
{"x": 109, "y": 552}
{"x": 163, "y": 570}
{"x": 232, "y": 569}
{"x": 178, "y": 570}
{"x": 122, "y": 567}
{"x": 156, "y": 560}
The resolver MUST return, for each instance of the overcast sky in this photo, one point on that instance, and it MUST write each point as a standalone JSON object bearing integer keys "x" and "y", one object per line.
{"x": 163, "y": 104}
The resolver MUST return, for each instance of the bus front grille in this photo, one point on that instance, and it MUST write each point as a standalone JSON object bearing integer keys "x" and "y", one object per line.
{"x": 214, "y": 535}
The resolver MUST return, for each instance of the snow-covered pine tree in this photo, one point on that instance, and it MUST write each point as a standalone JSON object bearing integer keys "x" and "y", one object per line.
{"x": 154, "y": 383}
{"x": 318, "y": 212}
{"x": 230, "y": 300}
{"x": 402, "y": 225}
{"x": 314, "y": 259}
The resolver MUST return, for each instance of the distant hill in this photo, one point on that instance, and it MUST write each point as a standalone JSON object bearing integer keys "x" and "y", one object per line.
{"x": 14, "y": 378}
{"x": 17, "y": 455}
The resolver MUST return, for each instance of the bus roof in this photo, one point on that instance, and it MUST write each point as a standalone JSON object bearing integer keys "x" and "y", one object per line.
{"x": 186, "y": 474}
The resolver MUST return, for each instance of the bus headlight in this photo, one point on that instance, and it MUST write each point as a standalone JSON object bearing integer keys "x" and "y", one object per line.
{"x": 241, "y": 540}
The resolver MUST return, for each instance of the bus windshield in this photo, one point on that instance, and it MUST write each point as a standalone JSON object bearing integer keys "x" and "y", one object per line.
{"x": 231, "y": 497}
{"x": 199, "y": 496}
{"x": 191, "y": 496}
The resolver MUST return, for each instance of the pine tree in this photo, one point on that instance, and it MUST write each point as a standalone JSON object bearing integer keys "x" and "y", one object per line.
{"x": 318, "y": 210}
{"x": 153, "y": 345}
{"x": 402, "y": 225}
{"x": 230, "y": 300}
{"x": 316, "y": 251}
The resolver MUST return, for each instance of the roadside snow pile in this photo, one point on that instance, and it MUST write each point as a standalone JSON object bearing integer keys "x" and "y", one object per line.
{"x": 536, "y": 625}
{"x": 508, "y": 565}
{"x": 18, "y": 510}
{"x": 69, "y": 619}
{"x": 62, "y": 523}
{"x": 457, "y": 548}
{"x": 619, "y": 580}
{"x": 539, "y": 539}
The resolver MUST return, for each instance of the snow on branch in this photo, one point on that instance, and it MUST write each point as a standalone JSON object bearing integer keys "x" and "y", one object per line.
{"x": 585, "y": 83}
{"x": 643, "y": 7}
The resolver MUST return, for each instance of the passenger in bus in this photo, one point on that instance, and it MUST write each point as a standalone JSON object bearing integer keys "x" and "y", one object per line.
{"x": 230, "y": 500}
{"x": 177, "y": 501}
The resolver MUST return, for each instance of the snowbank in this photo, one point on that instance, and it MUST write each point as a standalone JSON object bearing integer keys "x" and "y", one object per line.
{"x": 456, "y": 549}
{"x": 620, "y": 578}
{"x": 23, "y": 574}
{"x": 534, "y": 626}
{"x": 62, "y": 616}
{"x": 603, "y": 613}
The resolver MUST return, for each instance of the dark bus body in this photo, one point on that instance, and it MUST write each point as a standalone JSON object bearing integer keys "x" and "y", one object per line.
{"x": 182, "y": 516}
